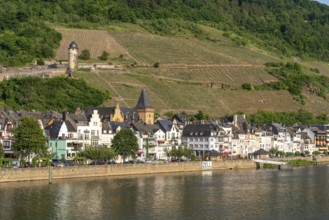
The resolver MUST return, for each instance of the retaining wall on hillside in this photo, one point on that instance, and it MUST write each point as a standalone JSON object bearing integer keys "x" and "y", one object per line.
{"x": 29, "y": 174}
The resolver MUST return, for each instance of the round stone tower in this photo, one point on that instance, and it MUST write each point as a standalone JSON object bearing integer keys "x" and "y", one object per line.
{"x": 73, "y": 56}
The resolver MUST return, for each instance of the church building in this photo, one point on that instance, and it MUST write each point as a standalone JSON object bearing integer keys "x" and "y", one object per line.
{"x": 143, "y": 112}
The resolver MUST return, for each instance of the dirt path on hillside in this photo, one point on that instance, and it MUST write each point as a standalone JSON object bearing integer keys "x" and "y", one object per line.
{"x": 221, "y": 102}
{"x": 119, "y": 96}
{"x": 197, "y": 66}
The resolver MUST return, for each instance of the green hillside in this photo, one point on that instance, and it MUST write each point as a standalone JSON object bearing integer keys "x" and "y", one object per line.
{"x": 220, "y": 57}
{"x": 286, "y": 27}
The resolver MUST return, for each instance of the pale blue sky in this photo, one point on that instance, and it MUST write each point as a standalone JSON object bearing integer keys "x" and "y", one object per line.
{"x": 324, "y": 1}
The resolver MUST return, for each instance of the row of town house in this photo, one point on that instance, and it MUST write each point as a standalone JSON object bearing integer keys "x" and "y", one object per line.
{"x": 69, "y": 133}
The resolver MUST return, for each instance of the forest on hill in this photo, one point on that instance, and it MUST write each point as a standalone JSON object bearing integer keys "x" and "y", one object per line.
{"x": 58, "y": 93}
{"x": 286, "y": 27}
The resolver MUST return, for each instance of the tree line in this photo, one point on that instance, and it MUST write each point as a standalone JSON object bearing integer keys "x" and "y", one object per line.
{"x": 288, "y": 27}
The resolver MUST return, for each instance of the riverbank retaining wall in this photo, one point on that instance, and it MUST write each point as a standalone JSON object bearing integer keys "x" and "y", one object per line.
{"x": 53, "y": 173}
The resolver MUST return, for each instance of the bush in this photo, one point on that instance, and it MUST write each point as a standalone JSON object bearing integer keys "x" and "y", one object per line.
{"x": 246, "y": 86}
{"x": 85, "y": 55}
{"x": 156, "y": 65}
{"x": 40, "y": 62}
{"x": 105, "y": 55}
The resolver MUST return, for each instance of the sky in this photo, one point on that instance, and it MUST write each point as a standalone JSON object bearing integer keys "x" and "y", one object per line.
{"x": 324, "y": 1}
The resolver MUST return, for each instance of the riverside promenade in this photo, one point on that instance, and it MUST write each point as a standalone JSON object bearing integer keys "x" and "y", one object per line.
{"x": 87, "y": 171}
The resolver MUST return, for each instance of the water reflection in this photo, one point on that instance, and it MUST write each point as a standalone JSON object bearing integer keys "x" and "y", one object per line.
{"x": 242, "y": 194}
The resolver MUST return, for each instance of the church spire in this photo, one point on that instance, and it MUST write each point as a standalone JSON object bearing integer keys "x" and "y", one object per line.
{"x": 144, "y": 108}
{"x": 143, "y": 101}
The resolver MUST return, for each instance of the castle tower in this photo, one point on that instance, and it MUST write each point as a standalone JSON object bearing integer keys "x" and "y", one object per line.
{"x": 144, "y": 108}
{"x": 73, "y": 56}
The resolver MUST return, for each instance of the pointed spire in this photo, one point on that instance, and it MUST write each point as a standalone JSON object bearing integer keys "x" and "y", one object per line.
{"x": 143, "y": 101}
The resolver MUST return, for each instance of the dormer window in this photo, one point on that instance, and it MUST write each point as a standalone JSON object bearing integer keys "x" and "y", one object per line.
{"x": 196, "y": 133}
{"x": 191, "y": 133}
{"x": 201, "y": 133}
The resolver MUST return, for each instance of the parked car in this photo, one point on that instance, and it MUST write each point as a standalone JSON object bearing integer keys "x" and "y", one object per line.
{"x": 59, "y": 164}
{"x": 101, "y": 162}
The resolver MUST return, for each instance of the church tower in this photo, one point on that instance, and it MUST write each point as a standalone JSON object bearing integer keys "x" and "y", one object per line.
{"x": 144, "y": 108}
{"x": 73, "y": 58}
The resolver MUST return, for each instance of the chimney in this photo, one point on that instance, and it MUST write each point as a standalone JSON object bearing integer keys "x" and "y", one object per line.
{"x": 64, "y": 116}
{"x": 235, "y": 120}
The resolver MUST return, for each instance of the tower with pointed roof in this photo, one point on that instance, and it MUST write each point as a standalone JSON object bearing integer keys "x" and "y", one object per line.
{"x": 144, "y": 108}
{"x": 72, "y": 58}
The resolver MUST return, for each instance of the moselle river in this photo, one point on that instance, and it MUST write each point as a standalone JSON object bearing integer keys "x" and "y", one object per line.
{"x": 302, "y": 193}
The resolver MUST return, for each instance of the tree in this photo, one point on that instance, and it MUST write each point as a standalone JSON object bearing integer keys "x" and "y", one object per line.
{"x": 85, "y": 55}
{"x": 125, "y": 143}
{"x": 29, "y": 137}
{"x": 201, "y": 115}
{"x": 168, "y": 153}
{"x": 2, "y": 152}
{"x": 98, "y": 153}
{"x": 105, "y": 55}
{"x": 148, "y": 146}
{"x": 316, "y": 153}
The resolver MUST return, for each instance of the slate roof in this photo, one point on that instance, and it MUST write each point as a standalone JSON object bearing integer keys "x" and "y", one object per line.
{"x": 199, "y": 130}
{"x": 144, "y": 128}
{"x": 182, "y": 118}
{"x": 104, "y": 112}
{"x": 128, "y": 114}
{"x": 165, "y": 125}
{"x": 53, "y": 129}
{"x": 115, "y": 125}
{"x": 73, "y": 45}
{"x": 143, "y": 101}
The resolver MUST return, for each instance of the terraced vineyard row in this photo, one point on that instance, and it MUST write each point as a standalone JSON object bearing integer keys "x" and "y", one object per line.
{"x": 96, "y": 41}
{"x": 230, "y": 75}
{"x": 149, "y": 48}
{"x": 176, "y": 97}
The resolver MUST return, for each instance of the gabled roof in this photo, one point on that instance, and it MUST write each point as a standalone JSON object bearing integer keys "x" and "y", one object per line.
{"x": 143, "y": 101}
{"x": 70, "y": 127}
{"x": 53, "y": 129}
{"x": 165, "y": 125}
{"x": 144, "y": 128}
{"x": 182, "y": 118}
{"x": 115, "y": 125}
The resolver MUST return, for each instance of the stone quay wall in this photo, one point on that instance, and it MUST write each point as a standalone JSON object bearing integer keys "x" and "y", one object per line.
{"x": 54, "y": 173}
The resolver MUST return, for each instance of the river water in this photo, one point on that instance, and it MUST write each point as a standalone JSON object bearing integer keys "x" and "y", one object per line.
{"x": 302, "y": 193}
